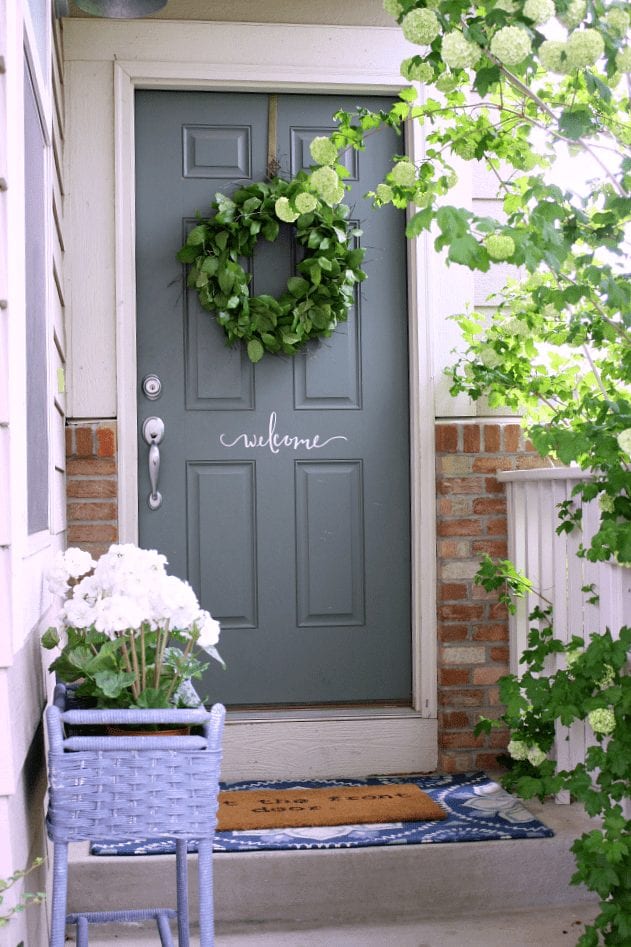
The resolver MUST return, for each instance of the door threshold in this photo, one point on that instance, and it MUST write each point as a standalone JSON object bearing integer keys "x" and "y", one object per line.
{"x": 339, "y": 712}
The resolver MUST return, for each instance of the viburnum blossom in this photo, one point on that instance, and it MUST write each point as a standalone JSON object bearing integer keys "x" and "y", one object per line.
{"x": 458, "y": 52}
{"x": 499, "y": 246}
{"x": 393, "y": 7}
{"x": 553, "y": 55}
{"x": 305, "y": 202}
{"x": 403, "y": 173}
{"x": 421, "y": 27}
{"x": 584, "y": 48}
{"x": 618, "y": 21}
{"x": 539, "y": 11}
{"x": 517, "y": 750}
{"x": 602, "y": 720}
{"x": 624, "y": 440}
{"x": 511, "y": 45}
{"x": 384, "y": 193}
{"x": 417, "y": 72}
{"x": 284, "y": 212}
{"x": 323, "y": 151}
{"x": 327, "y": 185}
{"x": 574, "y": 15}
{"x": 623, "y": 59}
{"x": 536, "y": 756}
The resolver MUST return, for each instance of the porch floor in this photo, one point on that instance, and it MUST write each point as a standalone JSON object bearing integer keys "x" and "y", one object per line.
{"x": 482, "y": 894}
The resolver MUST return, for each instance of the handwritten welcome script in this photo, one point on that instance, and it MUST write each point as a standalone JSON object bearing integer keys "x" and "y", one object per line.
{"x": 276, "y": 442}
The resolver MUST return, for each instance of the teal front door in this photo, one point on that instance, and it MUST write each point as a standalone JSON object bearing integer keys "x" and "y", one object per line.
{"x": 285, "y": 485}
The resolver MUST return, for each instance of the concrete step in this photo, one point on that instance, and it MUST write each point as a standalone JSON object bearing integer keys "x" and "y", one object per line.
{"x": 294, "y": 889}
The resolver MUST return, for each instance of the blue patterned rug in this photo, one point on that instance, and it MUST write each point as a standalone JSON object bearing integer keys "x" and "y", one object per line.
{"x": 478, "y": 809}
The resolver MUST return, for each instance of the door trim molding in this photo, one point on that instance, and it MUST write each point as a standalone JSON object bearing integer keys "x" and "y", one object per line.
{"x": 337, "y": 74}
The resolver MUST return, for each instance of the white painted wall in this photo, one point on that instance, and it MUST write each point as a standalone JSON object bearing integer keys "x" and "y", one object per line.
{"x": 23, "y": 558}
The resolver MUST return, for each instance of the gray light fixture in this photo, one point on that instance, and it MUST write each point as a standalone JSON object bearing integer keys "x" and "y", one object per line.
{"x": 121, "y": 9}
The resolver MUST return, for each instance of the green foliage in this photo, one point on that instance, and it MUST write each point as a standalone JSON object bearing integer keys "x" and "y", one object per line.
{"x": 136, "y": 669}
{"x": 502, "y": 577}
{"x": 27, "y": 897}
{"x": 316, "y": 299}
{"x": 594, "y": 680}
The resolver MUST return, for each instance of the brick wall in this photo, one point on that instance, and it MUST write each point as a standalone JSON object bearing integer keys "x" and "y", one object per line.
{"x": 92, "y": 485}
{"x": 471, "y": 520}
{"x": 472, "y": 625}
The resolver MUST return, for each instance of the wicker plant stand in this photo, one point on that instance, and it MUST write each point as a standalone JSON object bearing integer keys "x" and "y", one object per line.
{"x": 111, "y": 787}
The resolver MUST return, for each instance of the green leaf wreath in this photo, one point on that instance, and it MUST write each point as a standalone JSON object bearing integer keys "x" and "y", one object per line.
{"x": 322, "y": 290}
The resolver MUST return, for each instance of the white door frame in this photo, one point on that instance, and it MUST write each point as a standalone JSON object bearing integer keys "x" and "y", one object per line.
{"x": 316, "y": 743}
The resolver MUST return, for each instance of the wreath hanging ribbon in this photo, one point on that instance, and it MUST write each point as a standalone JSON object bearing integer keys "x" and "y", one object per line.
{"x": 317, "y": 297}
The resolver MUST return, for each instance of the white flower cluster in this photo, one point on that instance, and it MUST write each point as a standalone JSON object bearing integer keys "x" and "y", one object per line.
{"x": 128, "y": 588}
{"x": 393, "y": 8}
{"x": 518, "y": 750}
{"x": 624, "y": 441}
{"x": 283, "y": 211}
{"x": 403, "y": 174}
{"x": 499, "y": 246}
{"x": 618, "y": 21}
{"x": 602, "y": 720}
{"x": 539, "y": 11}
{"x": 511, "y": 45}
{"x": 421, "y": 27}
{"x": 623, "y": 59}
{"x": 458, "y": 52}
{"x": 574, "y": 15}
{"x": 584, "y": 48}
{"x": 323, "y": 151}
{"x": 327, "y": 186}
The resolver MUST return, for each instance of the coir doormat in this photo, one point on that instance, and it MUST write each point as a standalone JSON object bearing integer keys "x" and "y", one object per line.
{"x": 246, "y": 809}
{"x": 477, "y": 809}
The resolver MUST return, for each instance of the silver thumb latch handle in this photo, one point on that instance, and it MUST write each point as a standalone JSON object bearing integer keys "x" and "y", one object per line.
{"x": 153, "y": 432}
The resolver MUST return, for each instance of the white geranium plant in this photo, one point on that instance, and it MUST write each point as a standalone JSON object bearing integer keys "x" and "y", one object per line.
{"x": 129, "y": 634}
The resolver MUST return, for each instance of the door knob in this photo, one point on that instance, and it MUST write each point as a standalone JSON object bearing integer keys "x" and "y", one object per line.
{"x": 153, "y": 432}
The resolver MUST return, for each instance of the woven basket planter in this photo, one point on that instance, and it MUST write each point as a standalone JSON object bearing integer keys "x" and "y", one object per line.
{"x": 121, "y": 787}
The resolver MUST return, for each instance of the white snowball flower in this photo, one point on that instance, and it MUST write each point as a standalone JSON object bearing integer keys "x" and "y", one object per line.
{"x": 458, "y": 52}
{"x": 584, "y": 48}
{"x": 511, "y": 45}
{"x": 518, "y": 750}
{"x": 536, "y": 756}
{"x": 539, "y": 11}
{"x": 624, "y": 441}
{"x": 404, "y": 173}
{"x": 421, "y": 26}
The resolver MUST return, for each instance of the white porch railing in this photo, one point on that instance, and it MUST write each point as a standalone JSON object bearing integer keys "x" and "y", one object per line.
{"x": 550, "y": 562}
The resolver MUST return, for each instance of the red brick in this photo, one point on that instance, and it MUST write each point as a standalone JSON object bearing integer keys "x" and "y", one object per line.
{"x": 92, "y": 467}
{"x": 487, "y": 675}
{"x": 493, "y": 696}
{"x": 480, "y": 594}
{"x": 452, "y": 632}
{"x": 446, "y": 438}
{"x": 491, "y": 438}
{"x": 483, "y": 505}
{"x": 499, "y": 610}
{"x": 454, "y": 506}
{"x": 491, "y": 633}
{"x": 85, "y": 441}
{"x": 471, "y": 438}
{"x": 69, "y": 441}
{"x": 91, "y": 489}
{"x": 493, "y": 485}
{"x": 461, "y": 698}
{"x": 494, "y": 547}
{"x": 453, "y": 676}
{"x": 450, "y": 591}
{"x": 499, "y": 738}
{"x": 454, "y": 720}
{"x": 106, "y": 442}
{"x": 500, "y": 654}
{"x": 530, "y": 462}
{"x": 459, "y": 527}
{"x": 512, "y": 438}
{"x": 461, "y": 485}
{"x": 460, "y": 612}
{"x": 92, "y": 511}
{"x": 450, "y": 762}
{"x": 497, "y": 527}
{"x": 463, "y": 738}
{"x": 488, "y": 761}
{"x": 96, "y": 532}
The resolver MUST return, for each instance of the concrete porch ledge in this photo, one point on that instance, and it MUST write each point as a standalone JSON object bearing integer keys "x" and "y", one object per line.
{"x": 354, "y": 886}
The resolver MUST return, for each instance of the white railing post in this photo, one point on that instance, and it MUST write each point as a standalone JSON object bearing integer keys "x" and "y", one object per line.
{"x": 550, "y": 561}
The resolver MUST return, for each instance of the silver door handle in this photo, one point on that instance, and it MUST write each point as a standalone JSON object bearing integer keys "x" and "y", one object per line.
{"x": 153, "y": 432}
